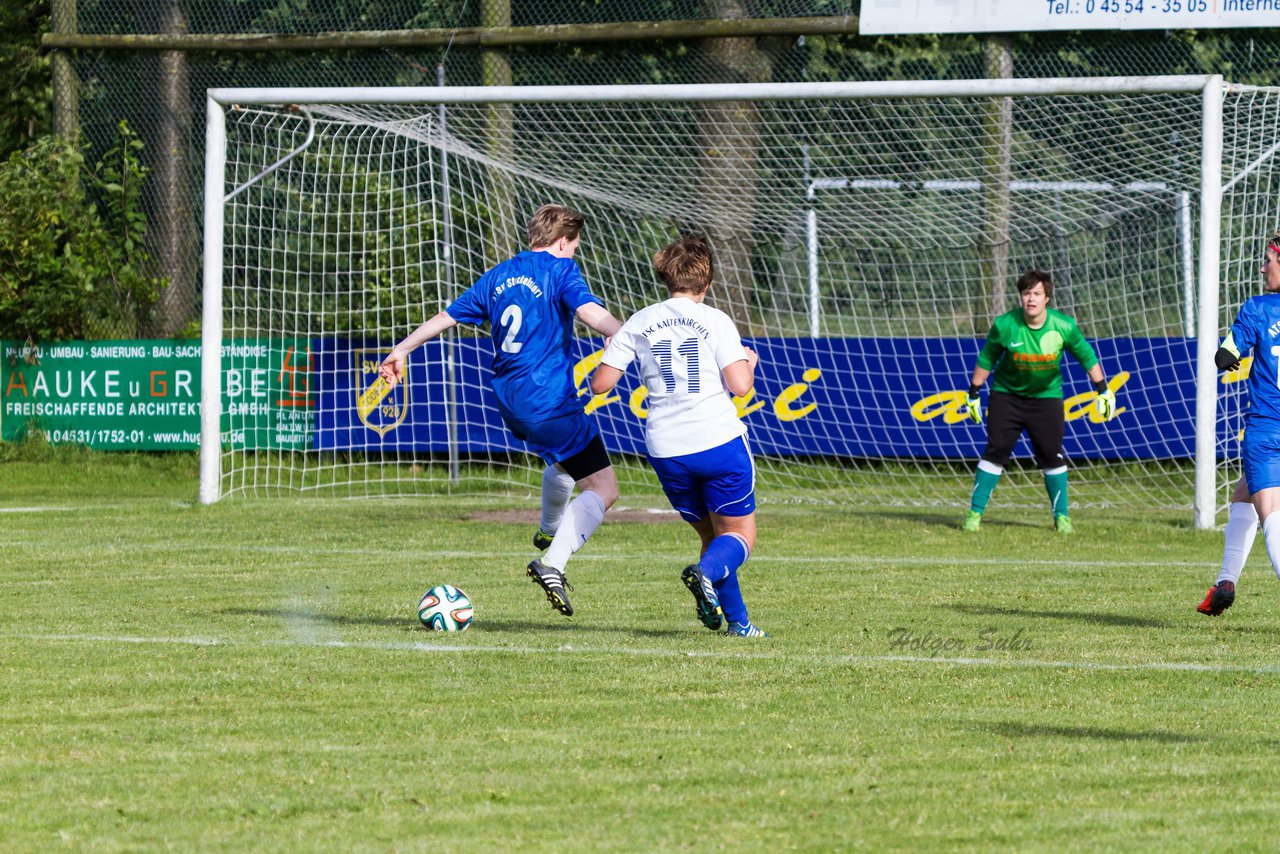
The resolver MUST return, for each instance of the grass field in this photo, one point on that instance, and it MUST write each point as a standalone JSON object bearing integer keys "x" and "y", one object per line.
{"x": 251, "y": 676}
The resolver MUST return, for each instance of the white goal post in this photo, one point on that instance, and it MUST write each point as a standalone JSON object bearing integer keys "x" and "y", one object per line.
{"x": 335, "y": 220}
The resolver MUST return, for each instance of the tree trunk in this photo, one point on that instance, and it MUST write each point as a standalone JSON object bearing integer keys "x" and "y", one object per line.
{"x": 66, "y": 101}
{"x": 727, "y": 171}
{"x": 997, "y": 165}
{"x": 504, "y": 231}
{"x": 174, "y": 226}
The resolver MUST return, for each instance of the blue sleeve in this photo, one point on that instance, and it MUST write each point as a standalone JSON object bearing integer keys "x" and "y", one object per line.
{"x": 1244, "y": 331}
{"x": 573, "y": 292}
{"x": 472, "y": 306}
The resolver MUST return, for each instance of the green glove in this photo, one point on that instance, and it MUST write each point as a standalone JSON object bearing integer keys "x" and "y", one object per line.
{"x": 1107, "y": 405}
{"x": 973, "y": 408}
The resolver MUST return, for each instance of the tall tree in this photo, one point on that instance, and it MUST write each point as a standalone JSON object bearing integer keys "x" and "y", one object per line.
{"x": 727, "y": 171}
{"x": 25, "y": 76}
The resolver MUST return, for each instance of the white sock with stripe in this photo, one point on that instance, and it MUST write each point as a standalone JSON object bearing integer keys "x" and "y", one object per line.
{"x": 581, "y": 518}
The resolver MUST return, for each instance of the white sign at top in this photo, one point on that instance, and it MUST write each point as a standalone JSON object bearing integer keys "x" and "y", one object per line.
{"x": 896, "y": 17}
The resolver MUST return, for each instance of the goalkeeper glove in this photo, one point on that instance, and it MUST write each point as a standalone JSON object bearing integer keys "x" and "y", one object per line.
{"x": 973, "y": 407}
{"x": 1106, "y": 404}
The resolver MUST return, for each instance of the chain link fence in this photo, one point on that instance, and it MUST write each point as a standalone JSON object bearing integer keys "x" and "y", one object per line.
{"x": 160, "y": 93}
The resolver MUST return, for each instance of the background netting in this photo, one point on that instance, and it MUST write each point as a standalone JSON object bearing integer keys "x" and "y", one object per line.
{"x": 115, "y": 85}
{"x": 349, "y": 239}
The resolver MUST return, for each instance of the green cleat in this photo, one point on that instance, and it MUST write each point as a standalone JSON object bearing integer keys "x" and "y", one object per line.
{"x": 972, "y": 522}
{"x": 542, "y": 540}
{"x": 1062, "y": 524}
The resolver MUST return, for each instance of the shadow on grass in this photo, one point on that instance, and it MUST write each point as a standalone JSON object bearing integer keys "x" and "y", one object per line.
{"x": 553, "y": 624}
{"x": 298, "y": 615}
{"x": 563, "y": 625}
{"x": 950, "y": 519}
{"x": 1015, "y": 729}
{"x": 1091, "y": 617}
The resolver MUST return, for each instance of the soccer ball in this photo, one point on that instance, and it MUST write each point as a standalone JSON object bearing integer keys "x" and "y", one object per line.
{"x": 445, "y": 608}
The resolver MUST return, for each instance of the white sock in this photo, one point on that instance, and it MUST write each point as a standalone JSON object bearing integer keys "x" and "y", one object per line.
{"x": 1242, "y": 527}
{"x": 1271, "y": 531}
{"x": 557, "y": 487}
{"x": 581, "y": 518}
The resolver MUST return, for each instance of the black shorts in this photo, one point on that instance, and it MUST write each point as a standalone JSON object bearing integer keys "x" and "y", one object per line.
{"x": 588, "y": 461}
{"x": 1042, "y": 417}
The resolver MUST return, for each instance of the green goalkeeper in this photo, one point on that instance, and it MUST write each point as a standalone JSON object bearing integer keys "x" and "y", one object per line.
{"x": 1022, "y": 355}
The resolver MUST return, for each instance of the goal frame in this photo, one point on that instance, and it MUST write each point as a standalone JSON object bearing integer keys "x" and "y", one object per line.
{"x": 1210, "y": 88}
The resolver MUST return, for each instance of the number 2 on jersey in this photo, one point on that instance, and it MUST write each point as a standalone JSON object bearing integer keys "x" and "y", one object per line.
{"x": 512, "y": 318}
{"x": 688, "y": 348}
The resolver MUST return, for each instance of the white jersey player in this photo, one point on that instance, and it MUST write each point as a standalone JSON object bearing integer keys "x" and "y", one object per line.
{"x": 691, "y": 359}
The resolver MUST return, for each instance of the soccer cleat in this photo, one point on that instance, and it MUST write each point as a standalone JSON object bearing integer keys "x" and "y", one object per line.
{"x": 972, "y": 522}
{"x": 553, "y": 583}
{"x": 542, "y": 541}
{"x": 1062, "y": 524}
{"x": 1218, "y": 599}
{"x": 745, "y": 630}
{"x": 704, "y": 595}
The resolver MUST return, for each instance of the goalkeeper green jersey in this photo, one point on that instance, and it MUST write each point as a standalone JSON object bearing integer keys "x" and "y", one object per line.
{"x": 1026, "y": 361}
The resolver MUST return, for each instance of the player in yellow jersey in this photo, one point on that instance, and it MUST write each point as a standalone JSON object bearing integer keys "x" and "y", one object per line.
{"x": 1023, "y": 355}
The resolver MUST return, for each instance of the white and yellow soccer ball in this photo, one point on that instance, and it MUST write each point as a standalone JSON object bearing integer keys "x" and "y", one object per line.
{"x": 445, "y": 608}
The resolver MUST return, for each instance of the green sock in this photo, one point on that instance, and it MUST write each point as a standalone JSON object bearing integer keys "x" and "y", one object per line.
{"x": 984, "y": 483}
{"x": 1055, "y": 484}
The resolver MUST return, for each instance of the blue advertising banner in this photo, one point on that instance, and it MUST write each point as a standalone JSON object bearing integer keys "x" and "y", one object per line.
{"x": 843, "y": 397}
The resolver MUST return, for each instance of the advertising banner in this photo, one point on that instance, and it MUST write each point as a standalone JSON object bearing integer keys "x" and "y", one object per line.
{"x": 145, "y": 395}
{"x": 840, "y": 397}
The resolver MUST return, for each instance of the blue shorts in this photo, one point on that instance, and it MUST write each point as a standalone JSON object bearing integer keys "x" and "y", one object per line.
{"x": 1261, "y": 459}
{"x": 555, "y": 439}
{"x": 718, "y": 480}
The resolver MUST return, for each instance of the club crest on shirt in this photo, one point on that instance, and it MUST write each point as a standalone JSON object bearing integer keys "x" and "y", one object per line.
{"x": 380, "y": 409}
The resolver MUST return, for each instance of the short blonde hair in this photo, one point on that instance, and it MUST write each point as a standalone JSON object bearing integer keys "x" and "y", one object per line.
{"x": 552, "y": 222}
{"x": 686, "y": 266}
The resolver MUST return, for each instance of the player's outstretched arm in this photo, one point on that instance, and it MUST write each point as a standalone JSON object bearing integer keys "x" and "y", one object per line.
{"x": 598, "y": 318}
{"x": 740, "y": 376}
{"x": 392, "y": 368}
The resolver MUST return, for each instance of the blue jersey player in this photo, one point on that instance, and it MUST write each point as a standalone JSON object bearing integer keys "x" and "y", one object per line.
{"x": 1256, "y": 330}
{"x": 530, "y": 303}
{"x": 691, "y": 358}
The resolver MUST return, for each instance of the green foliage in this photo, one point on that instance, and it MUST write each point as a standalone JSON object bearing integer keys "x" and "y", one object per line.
{"x": 74, "y": 261}
{"x": 26, "y": 89}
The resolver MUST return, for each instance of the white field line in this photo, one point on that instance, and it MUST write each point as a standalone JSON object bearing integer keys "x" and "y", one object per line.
{"x": 518, "y": 556}
{"x": 37, "y": 509}
{"x": 568, "y": 649}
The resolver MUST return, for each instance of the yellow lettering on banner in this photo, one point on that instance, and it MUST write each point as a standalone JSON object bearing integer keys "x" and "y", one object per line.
{"x": 638, "y": 397}
{"x": 1082, "y": 404}
{"x": 782, "y": 406}
{"x": 1240, "y": 374}
{"x": 581, "y": 371}
{"x": 948, "y": 404}
{"x": 744, "y": 405}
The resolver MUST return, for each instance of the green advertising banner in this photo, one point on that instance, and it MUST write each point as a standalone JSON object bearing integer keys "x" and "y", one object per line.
{"x": 145, "y": 395}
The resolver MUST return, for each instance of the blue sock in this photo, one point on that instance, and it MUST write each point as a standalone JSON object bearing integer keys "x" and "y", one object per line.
{"x": 720, "y": 564}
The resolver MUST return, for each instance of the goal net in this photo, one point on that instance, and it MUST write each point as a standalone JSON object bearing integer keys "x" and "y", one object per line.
{"x": 865, "y": 235}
